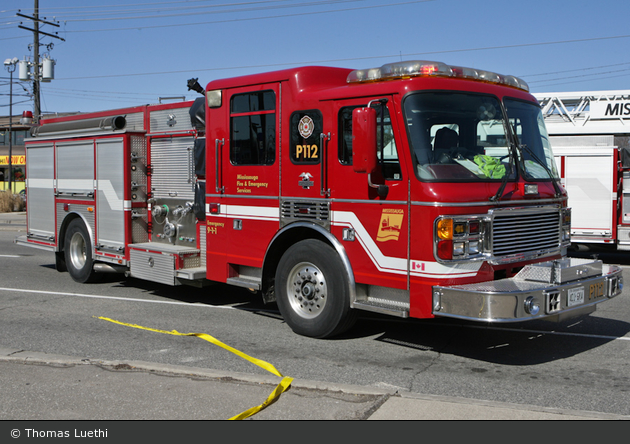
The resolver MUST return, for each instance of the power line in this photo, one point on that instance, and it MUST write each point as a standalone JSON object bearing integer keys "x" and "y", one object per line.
{"x": 109, "y": 12}
{"x": 255, "y": 18}
{"x": 382, "y": 56}
{"x": 126, "y": 5}
{"x": 582, "y": 75}
{"x": 575, "y": 69}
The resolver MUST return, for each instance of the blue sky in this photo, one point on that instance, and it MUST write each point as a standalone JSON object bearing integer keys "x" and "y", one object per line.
{"x": 126, "y": 53}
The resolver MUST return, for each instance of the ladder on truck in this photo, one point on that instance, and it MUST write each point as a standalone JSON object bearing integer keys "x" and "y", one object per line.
{"x": 588, "y": 132}
{"x": 586, "y": 113}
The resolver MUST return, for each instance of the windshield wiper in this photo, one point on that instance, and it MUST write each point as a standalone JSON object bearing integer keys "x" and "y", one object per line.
{"x": 556, "y": 187}
{"x": 504, "y": 180}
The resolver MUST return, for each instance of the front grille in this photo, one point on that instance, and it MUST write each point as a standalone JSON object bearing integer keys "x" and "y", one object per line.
{"x": 525, "y": 231}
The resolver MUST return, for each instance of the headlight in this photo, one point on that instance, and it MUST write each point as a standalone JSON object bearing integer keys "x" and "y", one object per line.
{"x": 459, "y": 237}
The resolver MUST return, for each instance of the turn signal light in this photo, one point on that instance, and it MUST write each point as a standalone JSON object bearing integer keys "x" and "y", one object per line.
{"x": 445, "y": 229}
{"x": 459, "y": 238}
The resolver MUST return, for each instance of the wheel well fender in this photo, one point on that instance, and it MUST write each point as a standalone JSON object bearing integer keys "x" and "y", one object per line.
{"x": 292, "y": 234}
{"x": 64, "y": 227}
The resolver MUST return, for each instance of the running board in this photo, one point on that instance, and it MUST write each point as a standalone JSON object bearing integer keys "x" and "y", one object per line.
{"x": 389, "y": 301}
{"x": 383, "y": 307}
{"x": 245, "y": 282}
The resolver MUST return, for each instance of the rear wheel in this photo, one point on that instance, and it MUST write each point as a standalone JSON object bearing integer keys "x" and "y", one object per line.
{"x": 78, "y": 253}
{"x": 60, "y": 261}
{"x": 312, "y": 290}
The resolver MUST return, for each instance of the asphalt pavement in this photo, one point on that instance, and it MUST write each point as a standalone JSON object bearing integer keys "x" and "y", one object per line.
{"x": 38, "y": 386}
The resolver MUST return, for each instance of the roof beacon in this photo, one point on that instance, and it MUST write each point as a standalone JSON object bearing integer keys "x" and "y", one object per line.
{"x": 423, "y": 68}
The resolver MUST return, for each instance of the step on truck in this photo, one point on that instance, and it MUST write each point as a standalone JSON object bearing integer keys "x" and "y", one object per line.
{"x": 416, "y": 189}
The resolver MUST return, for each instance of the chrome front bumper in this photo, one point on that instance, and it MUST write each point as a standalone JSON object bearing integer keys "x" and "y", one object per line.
{"x": 560, "y": 288}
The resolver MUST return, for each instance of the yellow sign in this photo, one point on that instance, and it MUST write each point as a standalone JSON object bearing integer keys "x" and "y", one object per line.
{"x": 390, "y": 225}
{"x": 15, "y": 160}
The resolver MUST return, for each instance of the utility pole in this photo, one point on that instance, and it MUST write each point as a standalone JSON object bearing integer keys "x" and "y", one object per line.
{"x": 36, "y": 95}
{"x": 37, "y": 71}
{"x": 10, "y": 65}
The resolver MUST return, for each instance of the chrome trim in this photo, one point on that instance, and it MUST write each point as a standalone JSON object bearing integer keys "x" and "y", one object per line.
{"x": 23, "y": 241}
{"x": 341, "y": 251}
{"x": 323, "y": 141}
{"x": 486, "y": 236}
{"x": 505, "y": 203}
{"x": 218, "y": 183}
{"x": 371, "y": 201}
{"x": 505, "y": 300}
{"x": 89, "y": 226}
{"x": 318, "y": 211}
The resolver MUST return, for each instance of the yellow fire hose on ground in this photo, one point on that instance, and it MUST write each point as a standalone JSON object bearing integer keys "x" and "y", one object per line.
{"x": 284, "y": 385}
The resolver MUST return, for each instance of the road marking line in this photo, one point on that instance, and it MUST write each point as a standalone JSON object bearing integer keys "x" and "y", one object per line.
{"x": 94, "y": 296}
{"x": 198, "y": 304}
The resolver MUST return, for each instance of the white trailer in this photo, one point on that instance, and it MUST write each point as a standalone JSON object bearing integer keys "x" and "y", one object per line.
{"x": 590, "y": 136}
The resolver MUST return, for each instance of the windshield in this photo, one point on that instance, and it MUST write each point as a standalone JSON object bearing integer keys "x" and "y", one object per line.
{"x": 535, "y": 154}
{"x": 458, "y": 136}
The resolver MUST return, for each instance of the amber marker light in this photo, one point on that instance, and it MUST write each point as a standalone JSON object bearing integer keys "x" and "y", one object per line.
{"x": 445, "y": 229}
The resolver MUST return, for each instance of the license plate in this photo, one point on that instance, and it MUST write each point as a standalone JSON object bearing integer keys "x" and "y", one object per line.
{"x": 575, "y": 296}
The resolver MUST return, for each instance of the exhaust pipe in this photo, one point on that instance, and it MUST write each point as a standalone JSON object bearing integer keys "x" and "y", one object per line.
{"x": 108, "y": 268}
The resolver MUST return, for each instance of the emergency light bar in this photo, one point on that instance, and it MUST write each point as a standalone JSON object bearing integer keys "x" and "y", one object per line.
{"x": 421, "y": 68}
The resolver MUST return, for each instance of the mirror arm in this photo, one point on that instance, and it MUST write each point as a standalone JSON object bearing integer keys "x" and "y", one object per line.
{"x": 381, "y": 189}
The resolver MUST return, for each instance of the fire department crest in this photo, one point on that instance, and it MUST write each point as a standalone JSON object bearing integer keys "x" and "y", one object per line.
{"x": 306, "y": 127}
{"x": 306, "y": 181}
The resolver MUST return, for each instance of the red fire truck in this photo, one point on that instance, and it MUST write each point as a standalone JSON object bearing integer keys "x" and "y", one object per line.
{"x": 416, "y": 189}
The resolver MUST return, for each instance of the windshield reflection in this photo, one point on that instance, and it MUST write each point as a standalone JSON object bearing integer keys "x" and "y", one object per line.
{"x": 457, "y": 136}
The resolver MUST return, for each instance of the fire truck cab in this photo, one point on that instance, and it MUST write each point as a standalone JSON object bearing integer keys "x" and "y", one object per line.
{"x": 416, "y": 189}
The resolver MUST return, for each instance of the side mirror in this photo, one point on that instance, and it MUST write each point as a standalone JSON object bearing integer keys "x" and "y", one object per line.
{"x": 364, "y": 140}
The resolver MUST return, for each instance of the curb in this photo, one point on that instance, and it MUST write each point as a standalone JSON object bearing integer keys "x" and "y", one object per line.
{"x": 396, "y": 404}
{"x": 27, "y": 357}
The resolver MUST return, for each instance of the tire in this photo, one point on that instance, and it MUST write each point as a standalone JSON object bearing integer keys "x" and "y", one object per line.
{"x": 78, "y": 253}
{"x": 312, "y": 290}
{"x": 60, "y": 261}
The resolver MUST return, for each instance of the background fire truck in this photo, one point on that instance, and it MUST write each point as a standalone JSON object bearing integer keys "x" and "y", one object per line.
{"x": 590, "y": 135}
{"x": 416, "y": 189}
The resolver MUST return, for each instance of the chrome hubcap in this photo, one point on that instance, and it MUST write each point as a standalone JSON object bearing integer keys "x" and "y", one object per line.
{"x": 307, "y": 290}
{"x": 78, "y": 254}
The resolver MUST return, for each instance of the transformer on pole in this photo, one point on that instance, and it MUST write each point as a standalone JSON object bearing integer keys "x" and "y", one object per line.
{"x": 42, "y": 71}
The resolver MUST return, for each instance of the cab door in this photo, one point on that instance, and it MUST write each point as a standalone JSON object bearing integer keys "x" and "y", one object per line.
{"x": 243, "y": 165}
{"x": 370, "y": 213}
{"x": 303, "y": 166}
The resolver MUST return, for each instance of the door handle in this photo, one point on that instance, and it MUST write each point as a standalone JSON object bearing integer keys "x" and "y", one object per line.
{"x": 323, "y": 142}
{"x": 218, "y": 182}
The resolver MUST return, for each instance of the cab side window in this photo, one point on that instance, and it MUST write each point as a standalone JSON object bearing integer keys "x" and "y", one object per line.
{"x": 387, "y": 152}
{"x": 253, "y": 128}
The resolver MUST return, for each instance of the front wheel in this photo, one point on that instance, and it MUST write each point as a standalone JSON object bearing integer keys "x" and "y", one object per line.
{"x": 78, "y": 253}
{"x": 312, "y": 290}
